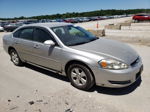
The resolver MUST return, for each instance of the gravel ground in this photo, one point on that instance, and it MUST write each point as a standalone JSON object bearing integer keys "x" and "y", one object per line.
{"x": 31, "y": 89}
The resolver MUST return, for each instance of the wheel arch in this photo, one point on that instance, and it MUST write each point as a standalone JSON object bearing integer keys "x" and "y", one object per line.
{"x": 78, "y": 62}
{"x": 10, "y": 48}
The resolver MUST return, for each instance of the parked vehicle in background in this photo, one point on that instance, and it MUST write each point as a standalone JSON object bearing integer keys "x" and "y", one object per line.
{"x": 141, "y": 17}
{"x": 1, "y": 29}
{"x": 95, "y": 18}
{"x": 77, "y": 20}
{"x": 71, "y": 20}
{"x": 59, "y": 20}
{"x": 76, "y": 53}
{"x": 44, "y": 21}
{"x": 10, "y": 27}
{"x": 31, "y": 21}
{"x": 2, "y": 24}
{"x": 85, "y": 19}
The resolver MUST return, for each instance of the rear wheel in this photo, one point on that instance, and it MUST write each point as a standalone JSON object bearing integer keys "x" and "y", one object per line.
{"x": 15, "y": 58}
{"x": 80, "y": 76}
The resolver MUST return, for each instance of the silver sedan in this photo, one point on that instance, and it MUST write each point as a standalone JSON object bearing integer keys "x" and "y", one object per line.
{"x": 74, "y": 52}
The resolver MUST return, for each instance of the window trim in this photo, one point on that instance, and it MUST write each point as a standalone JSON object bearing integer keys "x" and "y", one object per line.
{"x": 44, "y": 29}
{"x": 20, "y": 32}
{"x": 34, "y": 27}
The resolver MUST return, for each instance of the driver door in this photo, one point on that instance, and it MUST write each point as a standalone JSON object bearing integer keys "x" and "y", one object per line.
{"x": 45, "y": 55}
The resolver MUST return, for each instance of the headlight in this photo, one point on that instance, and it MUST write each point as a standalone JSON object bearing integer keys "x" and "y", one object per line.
{"x": 112, "y": 64}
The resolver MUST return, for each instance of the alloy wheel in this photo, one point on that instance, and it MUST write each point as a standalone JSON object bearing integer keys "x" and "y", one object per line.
{"x": 78, "y": 76}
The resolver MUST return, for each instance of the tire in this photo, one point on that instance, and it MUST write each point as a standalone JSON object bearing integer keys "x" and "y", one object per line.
{"x": 15, "y": 58}
{"x": 135, "y": 21}
{"x": 80, "y": 76}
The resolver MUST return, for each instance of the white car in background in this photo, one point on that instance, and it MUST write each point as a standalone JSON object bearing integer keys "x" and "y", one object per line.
{"x": 1, "y": 28}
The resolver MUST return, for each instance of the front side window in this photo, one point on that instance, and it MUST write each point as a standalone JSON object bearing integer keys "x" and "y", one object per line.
{"x": 71, "y": 35}
{"x": 26, "y": 33}
{"x": 41, "y": 36}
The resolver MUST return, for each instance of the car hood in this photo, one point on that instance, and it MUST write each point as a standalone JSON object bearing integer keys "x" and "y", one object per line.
{"x": 110, "y": 49}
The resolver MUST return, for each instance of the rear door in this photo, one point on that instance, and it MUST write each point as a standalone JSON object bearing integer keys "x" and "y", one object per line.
{"x": 23, "y": 43}
{"x": 45, "y": 55}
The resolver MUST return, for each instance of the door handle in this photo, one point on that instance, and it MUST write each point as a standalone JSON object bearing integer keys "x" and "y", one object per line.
{"x": 36, "y": 46}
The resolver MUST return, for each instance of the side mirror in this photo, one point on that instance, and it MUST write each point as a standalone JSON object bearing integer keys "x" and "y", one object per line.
{"x": 49, "y": 42}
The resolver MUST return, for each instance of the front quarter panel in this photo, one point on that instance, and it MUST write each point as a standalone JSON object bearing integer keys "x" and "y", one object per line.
{"x": 69, "y": 54}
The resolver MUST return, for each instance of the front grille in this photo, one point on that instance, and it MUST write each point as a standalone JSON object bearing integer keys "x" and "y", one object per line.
{"x": 135, "y": 62}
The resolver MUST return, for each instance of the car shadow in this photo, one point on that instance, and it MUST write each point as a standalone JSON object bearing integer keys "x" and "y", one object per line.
{"x": 46, "y": 72}
{"x": 98, "y": 89}
{"x": 117, "y": 91}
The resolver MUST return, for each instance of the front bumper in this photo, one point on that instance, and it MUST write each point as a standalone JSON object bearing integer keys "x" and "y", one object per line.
{"x": 117, "y": 78}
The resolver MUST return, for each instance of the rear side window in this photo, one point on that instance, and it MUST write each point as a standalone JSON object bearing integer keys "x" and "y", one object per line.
{"x": 41, "y": 35}
{"x": 26, "y": 34}
{"x": 16, "y": 34}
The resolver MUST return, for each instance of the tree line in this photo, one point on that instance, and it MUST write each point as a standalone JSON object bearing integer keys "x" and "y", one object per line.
{"x": 101, "y": 12}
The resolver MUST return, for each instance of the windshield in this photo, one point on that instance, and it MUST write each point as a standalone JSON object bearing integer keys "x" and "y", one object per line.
{"x": 71, "y": 35}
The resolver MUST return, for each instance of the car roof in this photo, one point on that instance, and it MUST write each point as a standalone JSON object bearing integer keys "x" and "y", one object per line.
{"x": 53, "y": 24}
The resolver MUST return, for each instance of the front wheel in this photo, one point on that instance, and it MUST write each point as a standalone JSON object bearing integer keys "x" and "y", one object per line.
{"x": 15, "y": 58}
{"x": 80, "y": 76}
